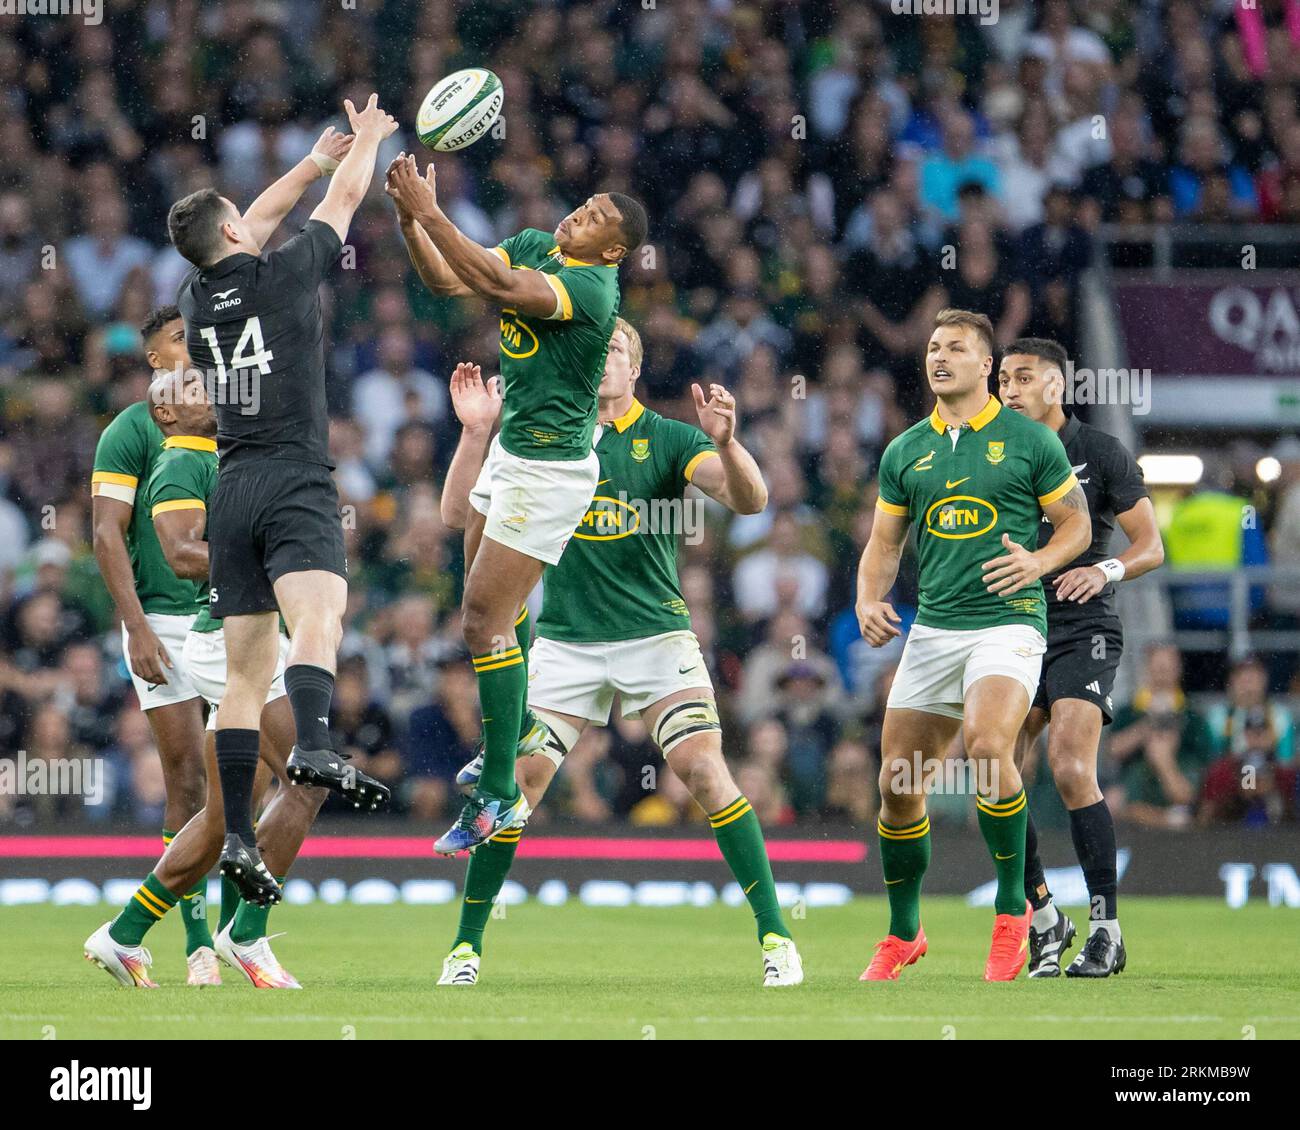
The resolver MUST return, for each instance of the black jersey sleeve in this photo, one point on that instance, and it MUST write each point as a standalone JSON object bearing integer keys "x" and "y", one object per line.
{"x": 1125, "y": 483}
{"x": 308, "y": 255}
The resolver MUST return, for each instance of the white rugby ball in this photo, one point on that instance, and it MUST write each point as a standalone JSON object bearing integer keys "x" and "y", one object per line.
{"x": 459, "y": 110}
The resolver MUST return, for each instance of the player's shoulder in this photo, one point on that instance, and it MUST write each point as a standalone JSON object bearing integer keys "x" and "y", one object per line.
{"x": 133, "y": 426}
{"x": 528, "y": 247}
{"x": 1101, "y": 443}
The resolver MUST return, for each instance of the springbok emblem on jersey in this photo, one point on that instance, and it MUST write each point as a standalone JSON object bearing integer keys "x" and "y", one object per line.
{"x": 996, "y": 452}
{"x": 640, "y": 450}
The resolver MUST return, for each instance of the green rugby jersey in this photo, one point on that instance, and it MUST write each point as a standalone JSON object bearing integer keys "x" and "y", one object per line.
{"x": 125, "y": 457}
{"x": 962, "y": 496}
{"x": 552, "y": 367}
{"x": 183, "y": 479}
{"x": 617, "y": 579}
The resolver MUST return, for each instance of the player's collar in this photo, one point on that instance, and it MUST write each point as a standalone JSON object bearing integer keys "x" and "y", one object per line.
{"x": 570, "y": 262}
{"x": 1069, "y": 429}
{"x": 630, "y": 417}
{"x": 192, "y": 443}
{"x": 982, "y": 417}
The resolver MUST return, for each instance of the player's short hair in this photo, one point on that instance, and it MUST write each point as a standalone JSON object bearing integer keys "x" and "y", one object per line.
{"x": 194, "y": 225}
{"x": 634, "y": 223}
{"x": 980, "y": 323}
{"x": 635, "y": 350}
{"x": 1044, "y": 348}
{"x": 158, "y": 317}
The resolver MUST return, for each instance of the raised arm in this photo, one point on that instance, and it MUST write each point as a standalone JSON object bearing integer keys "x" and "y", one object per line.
{"x": 483, "y": 272}
{"x": 427, "y": 260}
{"x": 267, "y": 212}
{"x": 733, "y": 478}
{"x": 352, "y": 178}
{"x": 477, "y": 405}
{"x": 877, "y": 572}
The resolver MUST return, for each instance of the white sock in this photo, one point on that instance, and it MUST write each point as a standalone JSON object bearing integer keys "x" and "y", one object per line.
{"x": 1043, "y": 920}
{"x": 1110, "y": 925}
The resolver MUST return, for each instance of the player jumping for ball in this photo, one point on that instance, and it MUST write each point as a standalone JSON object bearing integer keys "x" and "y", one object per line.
{"x": 974, "y": 479}
{"x": 559, "y": 296}
{"x": 1084, "y": 644}
{"x": 614, "y": 621}
{"x": 253, "y": 322}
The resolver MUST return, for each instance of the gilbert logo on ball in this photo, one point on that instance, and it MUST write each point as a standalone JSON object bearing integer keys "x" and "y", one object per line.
{"x": 459, "y": 110}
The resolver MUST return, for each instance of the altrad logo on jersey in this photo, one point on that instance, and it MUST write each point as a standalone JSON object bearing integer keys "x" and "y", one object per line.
{"x": 960, "y": 516}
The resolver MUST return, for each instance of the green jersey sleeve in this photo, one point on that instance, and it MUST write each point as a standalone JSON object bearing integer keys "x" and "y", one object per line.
{"x": 121, "y": 457}
{"x": 525, "y": 248}
{"x": 690, "y": 448}
{"x": 181, "y": 483}
{"x": 586, "y": 294}
{"x": 1053, "y": 475}
{"x": 892, "y": 499}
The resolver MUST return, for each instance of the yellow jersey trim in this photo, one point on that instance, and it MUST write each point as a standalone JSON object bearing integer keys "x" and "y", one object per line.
{"x": 1060, "y": 492}
{"x": 564, "y": 311}
{"x": 505, "y": 255}
{"x": 178, "y": 504}
{"x": 891, "y": 508}
{"x": 982, "y": 417}
{"x": 697, "y": 460}
{"x": 191, "y": 443}
{"x": 114, "y": 478}
{"x": 630, "y": 417}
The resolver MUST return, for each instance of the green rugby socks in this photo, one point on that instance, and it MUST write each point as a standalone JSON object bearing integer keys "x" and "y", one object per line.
{"x": 1002, "y": 823}
{"x": 740, "y": 839}
{"x": 488, "y": 867}
{"x": 904, "y": 858}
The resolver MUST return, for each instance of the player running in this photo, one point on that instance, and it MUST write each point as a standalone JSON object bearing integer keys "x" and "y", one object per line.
{"x": 253, "y": 322}
{"x": 1084, "y": 643}
{"x": 176, "y": 497}
{"x": 559, "y": 297}
{"x": 614, "y": 620}
{"x": 156, "y": 608}
{"x": 970, "y": 476}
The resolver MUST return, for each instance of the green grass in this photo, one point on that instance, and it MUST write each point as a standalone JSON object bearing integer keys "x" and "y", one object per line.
{"x": 1197, "y": 969}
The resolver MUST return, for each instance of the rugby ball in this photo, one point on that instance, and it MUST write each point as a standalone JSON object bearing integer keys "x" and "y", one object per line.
{"x": 459, "y": 110}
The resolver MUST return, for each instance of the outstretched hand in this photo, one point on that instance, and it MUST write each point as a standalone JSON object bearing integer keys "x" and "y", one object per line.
{"x": 477, "y": 403}
{"x": 717, "y": 414}
{"x": 414, "y": 196}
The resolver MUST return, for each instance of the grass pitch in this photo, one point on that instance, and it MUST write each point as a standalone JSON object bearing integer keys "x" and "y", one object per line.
{"x": 1196, "y": 970}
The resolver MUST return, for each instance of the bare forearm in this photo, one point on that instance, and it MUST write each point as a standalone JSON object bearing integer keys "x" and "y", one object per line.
{"x": 1070, "y": 537}
{"x": 878, "y": 570}
{"x": 266, "y": 213}
{"x": 188, "y": 560}
{"x": 466, "y": 462}
{"x": 746, "y": 491}
{"x": 482, "y": 271}
{"x": 115, "y": 567}
{"x": 352, "y": 178}
{"x": 428, "y": 261}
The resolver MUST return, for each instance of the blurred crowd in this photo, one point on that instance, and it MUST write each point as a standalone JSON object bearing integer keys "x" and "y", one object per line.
{"x": 821, "y": 177}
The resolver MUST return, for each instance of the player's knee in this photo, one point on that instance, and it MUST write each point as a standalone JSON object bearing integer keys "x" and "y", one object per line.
{"x": 706, "y": 777}
{"x": 1075, "y": 776}
{"x": 476, "y": 624}
{"x": 988, "y": 747}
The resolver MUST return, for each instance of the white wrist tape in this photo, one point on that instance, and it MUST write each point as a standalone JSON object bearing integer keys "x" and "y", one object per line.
{"x": 1113, "y": 567}
{"x": 326, "y": 164}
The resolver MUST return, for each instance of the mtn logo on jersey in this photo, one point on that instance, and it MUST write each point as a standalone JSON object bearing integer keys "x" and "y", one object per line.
{"x": 608, "y": 519}
{"x": 517, "y": 338}
{"x": 960, "y": 516}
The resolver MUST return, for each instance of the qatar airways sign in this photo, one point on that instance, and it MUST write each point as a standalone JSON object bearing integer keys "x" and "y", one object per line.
{"x": 1234, "y": 329}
